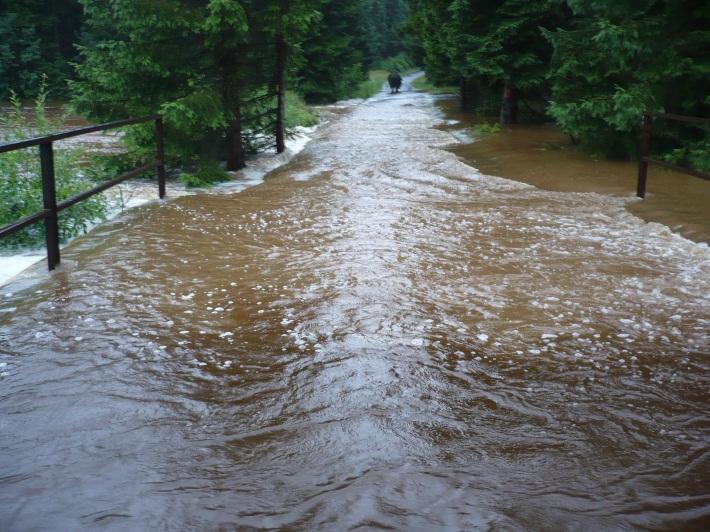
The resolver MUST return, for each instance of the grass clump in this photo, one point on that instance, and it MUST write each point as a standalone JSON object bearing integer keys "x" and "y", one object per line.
{"x": 482, "y": 130}
{"x": 298, "y": 113}
{"x": 373, "y": 85}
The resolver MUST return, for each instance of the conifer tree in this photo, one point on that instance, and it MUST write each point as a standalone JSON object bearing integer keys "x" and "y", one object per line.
{"x": 37, "y": 40}
{"x": 331, "y": 63}
{"x": 284, "y": 23}
{"x": 175, "y": 57}
{"x": 619, "y": 59}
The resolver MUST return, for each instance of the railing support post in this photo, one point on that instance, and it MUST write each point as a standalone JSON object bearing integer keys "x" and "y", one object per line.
{"x": 644, "y": 154}
{"x": 49, "y": 197}
{"x": 160, "y": 146}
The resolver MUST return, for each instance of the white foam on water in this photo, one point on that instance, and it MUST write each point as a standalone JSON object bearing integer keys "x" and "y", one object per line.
{"x": 12, "y": 265}
{"x": 132, "y": 194}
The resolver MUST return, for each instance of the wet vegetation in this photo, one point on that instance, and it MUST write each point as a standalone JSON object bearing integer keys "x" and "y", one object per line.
{"x": 20, "y": 187}
{"x": 218, "y": 70}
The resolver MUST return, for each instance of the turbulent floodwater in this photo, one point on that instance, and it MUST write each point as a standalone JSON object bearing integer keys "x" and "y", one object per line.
{"x": 377, "y": 337}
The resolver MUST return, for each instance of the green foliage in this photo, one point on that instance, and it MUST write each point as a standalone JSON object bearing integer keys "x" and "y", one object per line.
{"x": 487, "y": 45}
{"x": 400, "y": 62}
{"x": 373, "y": 85}
{"x": 485, "y": 129}
{"x": 594, "y": 66}
{"x": 422, "y": 83}
{"x": 166, "y": 57}
{"x": 208, "y": 67}
{"x": 37, "y": 38}
{"x": 331, "y": 63}
{"x": 206, "y": 174}
{"x": 500, "y": 41}
{"x": 695, "y": 155}
{"x": 102, "y": 166}
{"x": 348, "y": 39}
{"x": 429, "y": 20}
{"x": 601, "y": 89}
{"x": 619, "y": 59}
{"x": 298, "y": 113}
{"x": 377, "y": 33}
{"x": 20, "y": 182}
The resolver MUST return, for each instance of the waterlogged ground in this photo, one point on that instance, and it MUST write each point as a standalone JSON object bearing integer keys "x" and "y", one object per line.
{"x": 377, "y": 337}
{"x": 543, "y": 156}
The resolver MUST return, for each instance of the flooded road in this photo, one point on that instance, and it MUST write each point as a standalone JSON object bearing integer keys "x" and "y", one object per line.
{"x": 379, "y": 336}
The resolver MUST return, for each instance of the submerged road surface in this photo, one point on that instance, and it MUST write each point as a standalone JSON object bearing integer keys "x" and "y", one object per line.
{"x": 377, "y": 337}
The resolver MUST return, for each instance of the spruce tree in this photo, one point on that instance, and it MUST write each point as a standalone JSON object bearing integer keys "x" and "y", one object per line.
{"x": 619, "y": 59}
{"x": 178, "y": 58}
{"x": 37, "y": 40}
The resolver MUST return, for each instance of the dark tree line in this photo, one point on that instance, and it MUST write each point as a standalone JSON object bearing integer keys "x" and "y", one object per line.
{"x": 591, "y": 65}
{"x": 37, "y": 39}
{"x": 217, "y": 70}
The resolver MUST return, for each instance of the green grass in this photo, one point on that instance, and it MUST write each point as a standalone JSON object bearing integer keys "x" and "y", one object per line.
{"x": 298, "y": 113}
{"x": 423, "y": 84}
{"x": 373, "y": 85}
{"x": 482, "y": 130}
{"x": 402, "y": 63}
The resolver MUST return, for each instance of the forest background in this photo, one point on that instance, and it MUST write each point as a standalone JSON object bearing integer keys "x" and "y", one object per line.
{"x": 230, "y": 77}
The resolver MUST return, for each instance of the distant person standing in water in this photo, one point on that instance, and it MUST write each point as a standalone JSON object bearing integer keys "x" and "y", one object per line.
{"x": 395, "y": 81}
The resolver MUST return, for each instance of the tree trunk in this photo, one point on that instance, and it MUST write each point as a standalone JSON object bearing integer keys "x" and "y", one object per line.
{"x": 281, "y": 52}
{"x": 467, "y": 90}
{"x": 509, "y": 106}
{"x": 231, "y": 100}
{"x": 235, "y": 146}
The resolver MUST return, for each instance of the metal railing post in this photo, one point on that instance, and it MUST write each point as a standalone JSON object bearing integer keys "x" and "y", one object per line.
{"x": 644, "y": 154}
{"x": 49, "y": 198}
{"x": 160, "y": 146}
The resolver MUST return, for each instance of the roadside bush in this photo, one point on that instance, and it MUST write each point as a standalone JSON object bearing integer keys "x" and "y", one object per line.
{"x": 298, "y": 113}
{"x": 206, "y": 174}
{"x": 20, "y": 181}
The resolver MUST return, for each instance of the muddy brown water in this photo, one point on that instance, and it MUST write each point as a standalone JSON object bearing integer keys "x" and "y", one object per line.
{"x": 379, "y": 336}
{"x": 544, "y": 157}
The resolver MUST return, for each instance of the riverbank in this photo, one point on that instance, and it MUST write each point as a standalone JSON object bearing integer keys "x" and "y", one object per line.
{"x": 542, "y": 156}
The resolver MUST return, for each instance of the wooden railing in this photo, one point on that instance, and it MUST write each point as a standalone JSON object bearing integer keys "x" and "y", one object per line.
{"x": 52, "y": 208}
{"x": 645, "y": 151}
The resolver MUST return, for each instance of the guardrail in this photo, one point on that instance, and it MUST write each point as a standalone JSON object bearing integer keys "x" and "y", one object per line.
{"x": 645, "y": 151}
{"x": 52, "y": 208}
